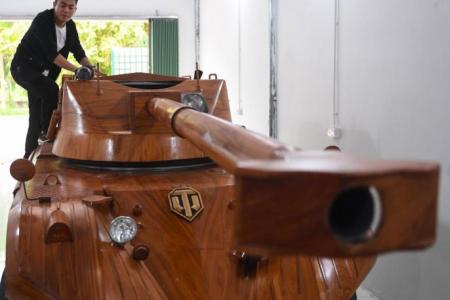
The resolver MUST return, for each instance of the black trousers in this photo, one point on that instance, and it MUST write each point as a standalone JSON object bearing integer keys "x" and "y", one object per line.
{"x": 42, "y": 100}
{"x": 3, "y": 287}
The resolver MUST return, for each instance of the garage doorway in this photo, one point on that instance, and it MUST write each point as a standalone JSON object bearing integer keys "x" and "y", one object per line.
{"x": 119, "y": 46}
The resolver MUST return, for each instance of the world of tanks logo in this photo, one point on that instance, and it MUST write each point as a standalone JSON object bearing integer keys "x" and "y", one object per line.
{"x": 186, "y": 203}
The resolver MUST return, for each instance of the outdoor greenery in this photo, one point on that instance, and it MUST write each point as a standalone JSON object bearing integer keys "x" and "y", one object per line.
{"x": 10, "y": 35}
{"x": 97, "y": 38}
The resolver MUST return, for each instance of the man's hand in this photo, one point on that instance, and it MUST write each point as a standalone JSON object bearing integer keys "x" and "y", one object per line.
{"x": 91, "y": 67}
{"x": 62, "y": 62}
{"x": 95, "y": 71}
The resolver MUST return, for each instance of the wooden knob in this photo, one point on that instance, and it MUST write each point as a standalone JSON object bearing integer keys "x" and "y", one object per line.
{"x": 22, "y": 170}
{"x": 140, "y": 252}
{"x": 231, "y": 205}
{"x": 137, "y": 210}
{"x": 332, "y": 148}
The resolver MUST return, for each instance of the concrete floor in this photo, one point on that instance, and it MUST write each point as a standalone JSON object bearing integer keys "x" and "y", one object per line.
{"x": 13, "y": 136}
{"x": 14, "y": 132}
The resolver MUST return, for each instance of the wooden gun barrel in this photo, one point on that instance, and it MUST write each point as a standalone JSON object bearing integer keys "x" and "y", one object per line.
{"x": 291, "y": 201}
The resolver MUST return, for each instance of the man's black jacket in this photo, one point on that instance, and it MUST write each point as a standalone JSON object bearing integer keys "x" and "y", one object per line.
{"x": 38, "y": 46}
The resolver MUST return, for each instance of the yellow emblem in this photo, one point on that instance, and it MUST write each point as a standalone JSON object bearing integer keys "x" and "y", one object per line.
{"x": 186, "y": 202}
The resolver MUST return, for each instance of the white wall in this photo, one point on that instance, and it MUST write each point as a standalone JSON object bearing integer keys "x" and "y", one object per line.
{"x": 223, "y": 40}
{"x": 255, "y": 64}
{"x": 184, "y": 9}
{"x": 394, "y": 74}
{"x": 305, "y": 72}
{"x": 219, "y": 39}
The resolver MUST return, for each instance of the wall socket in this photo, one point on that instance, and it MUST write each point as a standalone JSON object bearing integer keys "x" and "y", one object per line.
{"x": 334, "y": 133}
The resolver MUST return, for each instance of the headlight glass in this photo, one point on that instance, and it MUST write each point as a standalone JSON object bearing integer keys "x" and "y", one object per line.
{"x": 195, "y": 100}
{"x": 122, "y": 229}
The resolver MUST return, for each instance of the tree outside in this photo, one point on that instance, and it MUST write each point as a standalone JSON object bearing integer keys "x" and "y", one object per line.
{"x": 97, "y": 37}
{"x": 10, "y": 35}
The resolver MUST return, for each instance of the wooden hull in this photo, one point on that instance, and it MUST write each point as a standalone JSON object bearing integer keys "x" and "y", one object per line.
{"x": 187, "y": 260}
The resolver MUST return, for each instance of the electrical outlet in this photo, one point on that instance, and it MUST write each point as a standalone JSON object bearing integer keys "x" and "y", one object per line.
{"x": 334, "y": 133}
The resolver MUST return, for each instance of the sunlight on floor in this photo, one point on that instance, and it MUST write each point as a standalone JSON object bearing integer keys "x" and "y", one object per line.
{"x": 14, "y": 131}
{"x": 365, "y": 294}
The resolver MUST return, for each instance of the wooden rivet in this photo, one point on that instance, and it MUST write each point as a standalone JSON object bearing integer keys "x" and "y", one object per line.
{"x": 140, "y": 252}
{"x": 231, "y": 205}
{"x": 332, "y": 148}
{"x": 137, "y": 210}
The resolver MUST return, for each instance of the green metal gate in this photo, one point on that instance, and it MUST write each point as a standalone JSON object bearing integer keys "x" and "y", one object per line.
{"x": 164, "y": 43}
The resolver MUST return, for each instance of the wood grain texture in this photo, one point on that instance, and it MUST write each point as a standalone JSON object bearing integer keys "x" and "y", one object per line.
{"x": 284, "y": 196}
{"x": 142, "y": 77}
{"x": 226, "y": 143}
{"x": 100, "y": 125}
{"x": 53, "y": 126}
{"x": 58, "y": 228}
{"x": 22, "y": 170}
{"x": 186, "y": 261}
{"x": 301, "y": 211}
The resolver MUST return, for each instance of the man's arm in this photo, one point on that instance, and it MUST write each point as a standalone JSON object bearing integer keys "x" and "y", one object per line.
{"x": 77, "y": 49}
{"x": 42, "y": 34}
{"x": 62, "y": 62}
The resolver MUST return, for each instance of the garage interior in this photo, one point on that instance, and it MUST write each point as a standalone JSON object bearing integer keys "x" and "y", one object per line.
{"x": 370, "y": 77}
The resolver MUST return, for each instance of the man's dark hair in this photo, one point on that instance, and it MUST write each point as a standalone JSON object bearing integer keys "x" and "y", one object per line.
{"x": 76, "y": 1}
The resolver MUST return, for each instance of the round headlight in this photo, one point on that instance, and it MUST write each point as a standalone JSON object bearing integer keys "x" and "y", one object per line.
{"x": 84, "y": 73}
{"x": 122, "y": 229}
{"x": 196, "y": 101}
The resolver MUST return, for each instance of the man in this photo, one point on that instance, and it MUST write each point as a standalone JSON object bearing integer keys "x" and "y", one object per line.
{"x": 38, "y": 61}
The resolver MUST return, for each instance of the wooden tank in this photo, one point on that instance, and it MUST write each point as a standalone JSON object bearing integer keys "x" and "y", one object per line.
{"x": 220, "y": 212}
